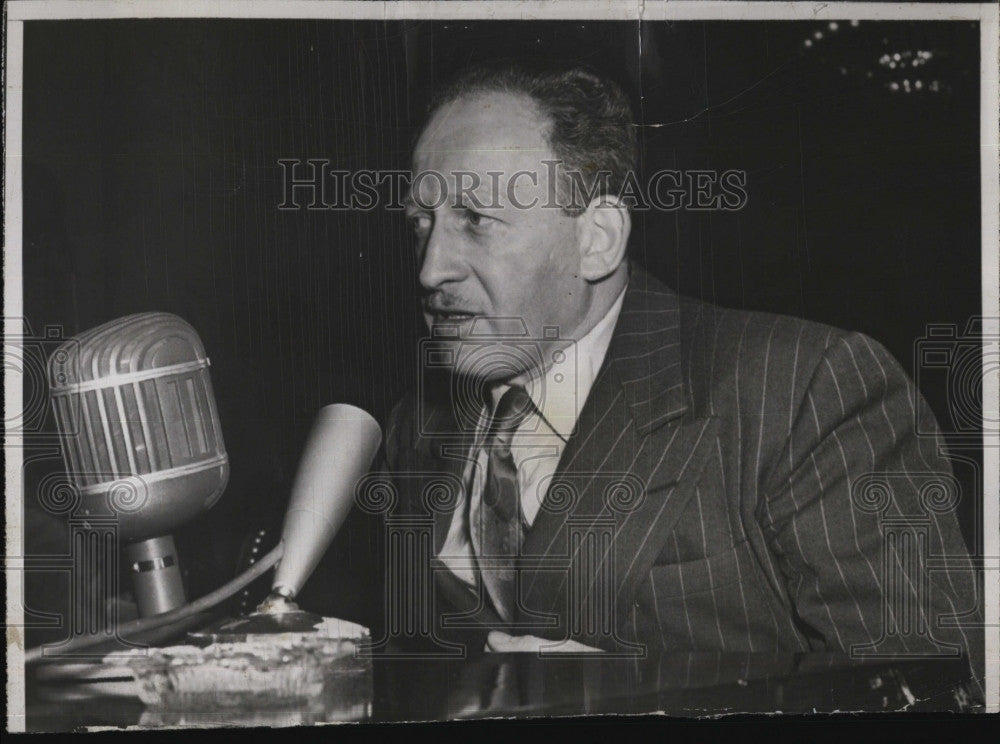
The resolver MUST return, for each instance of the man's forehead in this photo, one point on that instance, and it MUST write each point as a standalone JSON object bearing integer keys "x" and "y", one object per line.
{"x": 483, "y": 131}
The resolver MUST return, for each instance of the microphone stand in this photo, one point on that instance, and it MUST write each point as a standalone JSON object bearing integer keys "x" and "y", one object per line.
{"x": 156, "y": 575}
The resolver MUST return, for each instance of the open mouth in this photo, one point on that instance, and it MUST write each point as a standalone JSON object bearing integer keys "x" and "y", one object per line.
{"x": 451, "y": 317}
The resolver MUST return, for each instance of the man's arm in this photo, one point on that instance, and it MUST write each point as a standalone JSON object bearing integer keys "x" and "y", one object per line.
{"x": 853, "y": 461}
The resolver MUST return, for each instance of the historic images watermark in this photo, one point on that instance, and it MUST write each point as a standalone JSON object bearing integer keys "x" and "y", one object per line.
{"x": 26, "y": 354}
{"x": 412, "y": 623}
{"x": 964, "y": 362}
{"x": 312, "y": 184}
{"x": 492, "y": 348}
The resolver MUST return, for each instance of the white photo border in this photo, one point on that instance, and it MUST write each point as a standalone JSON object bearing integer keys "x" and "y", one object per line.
{"x": 18, "y": 11}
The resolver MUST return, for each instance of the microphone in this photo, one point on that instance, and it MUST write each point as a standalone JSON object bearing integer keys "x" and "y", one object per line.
{"x": 338, "y": 453}
{"x": 143, "y": 447}
{"x": 141, "y": 440}
{"x": 340, "y": 450}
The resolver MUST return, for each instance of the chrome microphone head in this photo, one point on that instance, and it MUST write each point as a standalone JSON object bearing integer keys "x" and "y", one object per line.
{"x": 140, "y": 431}
{"x": 141, "y": 440}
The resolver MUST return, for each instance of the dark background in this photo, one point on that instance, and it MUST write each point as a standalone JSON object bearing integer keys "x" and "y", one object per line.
{"x": 151, "y": 182}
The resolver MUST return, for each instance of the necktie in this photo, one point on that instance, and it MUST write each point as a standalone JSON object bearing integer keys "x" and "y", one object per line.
{"x": 500, "y": 528}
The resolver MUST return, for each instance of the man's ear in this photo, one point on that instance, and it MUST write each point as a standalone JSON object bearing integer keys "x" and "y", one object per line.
{"x": 603, "y": 231}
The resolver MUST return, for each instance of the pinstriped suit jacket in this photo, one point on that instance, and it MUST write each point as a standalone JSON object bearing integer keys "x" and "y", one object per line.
{"x": 748, "y": 433}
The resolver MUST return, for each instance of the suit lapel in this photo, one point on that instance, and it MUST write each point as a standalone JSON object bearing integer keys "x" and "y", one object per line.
{"x": 633, "y": 444}
{"x": 441, "y": 448}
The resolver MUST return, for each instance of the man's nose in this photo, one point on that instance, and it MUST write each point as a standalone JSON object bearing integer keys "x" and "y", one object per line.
{"x": 441, "y": 260}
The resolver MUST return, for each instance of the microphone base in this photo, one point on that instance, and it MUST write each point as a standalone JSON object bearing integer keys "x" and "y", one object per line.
{"x": 276, "y": 615}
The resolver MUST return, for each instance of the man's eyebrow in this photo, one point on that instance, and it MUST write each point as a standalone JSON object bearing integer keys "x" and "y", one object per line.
{"x": 483, "y": 196}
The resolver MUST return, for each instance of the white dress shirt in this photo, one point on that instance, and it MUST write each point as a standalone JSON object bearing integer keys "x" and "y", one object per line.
{"x": 538, "y": 443}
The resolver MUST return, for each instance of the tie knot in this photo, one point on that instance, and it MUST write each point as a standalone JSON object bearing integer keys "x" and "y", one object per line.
{"x": 513, "y": 408}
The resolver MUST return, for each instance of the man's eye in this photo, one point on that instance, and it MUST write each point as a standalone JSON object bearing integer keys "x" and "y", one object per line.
{"x": 474, "y": 218}
{"x": 419, "y": 223}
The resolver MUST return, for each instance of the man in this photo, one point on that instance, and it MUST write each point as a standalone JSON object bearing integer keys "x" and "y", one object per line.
{"x": 737, "y": 466}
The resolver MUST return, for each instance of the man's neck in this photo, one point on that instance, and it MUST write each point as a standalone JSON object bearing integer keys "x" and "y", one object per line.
{"x": 604, "y": 295}
{"x": 560, "y": 392}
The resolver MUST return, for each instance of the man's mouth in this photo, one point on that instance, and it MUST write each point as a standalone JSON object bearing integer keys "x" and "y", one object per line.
{"x": 450, "y": 316}
{"x": 453, "y": 317}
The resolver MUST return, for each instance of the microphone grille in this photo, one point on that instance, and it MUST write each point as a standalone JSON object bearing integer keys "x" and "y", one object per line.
{"x": 133, "y": 397}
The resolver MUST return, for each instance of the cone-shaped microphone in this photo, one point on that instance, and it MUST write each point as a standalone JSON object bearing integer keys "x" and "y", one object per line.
{"x": 339, "y": 452}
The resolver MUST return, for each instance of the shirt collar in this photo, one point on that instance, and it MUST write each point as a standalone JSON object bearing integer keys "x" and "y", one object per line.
{"x": 560, "y": 393}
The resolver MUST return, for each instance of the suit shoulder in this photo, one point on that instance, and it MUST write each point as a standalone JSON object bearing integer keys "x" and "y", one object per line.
{"x": 741, "y": 357}
{"x": 742, "y": 336}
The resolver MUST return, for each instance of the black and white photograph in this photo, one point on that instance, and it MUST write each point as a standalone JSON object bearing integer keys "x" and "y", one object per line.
{"x": 380, "y": 362}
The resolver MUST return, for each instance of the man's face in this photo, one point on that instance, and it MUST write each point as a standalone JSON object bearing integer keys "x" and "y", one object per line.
{"x": 493, "y": 251}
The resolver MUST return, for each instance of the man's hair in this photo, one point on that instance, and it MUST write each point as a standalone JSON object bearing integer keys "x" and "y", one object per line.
{"x": 591, "y": 129}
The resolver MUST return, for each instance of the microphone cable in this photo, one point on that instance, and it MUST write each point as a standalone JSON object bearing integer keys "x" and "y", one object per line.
{"x": 146, "y": 624}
